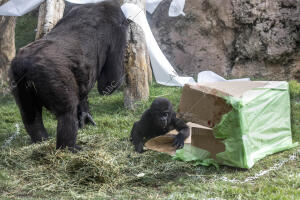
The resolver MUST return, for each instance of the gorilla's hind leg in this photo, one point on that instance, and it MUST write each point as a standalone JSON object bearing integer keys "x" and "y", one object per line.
{"x": 35, "y": 128}
{"x": 31, "y": 113}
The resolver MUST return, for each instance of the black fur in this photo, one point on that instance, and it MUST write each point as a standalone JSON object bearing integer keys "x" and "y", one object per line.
{"x": 59, "y": 70}
{"x": 159, "y": 119}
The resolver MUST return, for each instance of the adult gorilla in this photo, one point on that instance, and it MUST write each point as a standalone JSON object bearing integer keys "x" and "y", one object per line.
{"x": 59, "y": 70}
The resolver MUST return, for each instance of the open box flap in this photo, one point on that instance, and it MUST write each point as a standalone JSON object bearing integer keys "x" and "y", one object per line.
{"x": 235, "y": 89}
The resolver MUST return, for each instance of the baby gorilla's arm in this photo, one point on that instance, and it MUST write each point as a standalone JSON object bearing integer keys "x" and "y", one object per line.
{"x": 183, "y": 130}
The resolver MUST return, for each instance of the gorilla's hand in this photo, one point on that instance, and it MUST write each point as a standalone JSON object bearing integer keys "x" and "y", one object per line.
{"x": 85, "y": 118}
{"x": 179, "y": 141}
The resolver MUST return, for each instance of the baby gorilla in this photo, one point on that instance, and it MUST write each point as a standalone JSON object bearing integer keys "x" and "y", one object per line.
{"x": 159, "y": 119}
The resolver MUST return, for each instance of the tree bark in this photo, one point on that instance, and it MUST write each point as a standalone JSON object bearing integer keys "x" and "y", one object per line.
{"x": 7, "y": 44}
{"x": 137, "y": 64}
{"x": 50, "y": 12}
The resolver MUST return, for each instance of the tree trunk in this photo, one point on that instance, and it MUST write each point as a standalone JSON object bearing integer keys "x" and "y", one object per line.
{"x": 7, "y": 44}
{"x": 50, "y": 12}
{"x": 137, "y": 64}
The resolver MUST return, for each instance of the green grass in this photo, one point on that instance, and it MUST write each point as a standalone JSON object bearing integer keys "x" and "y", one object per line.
{"x": 107, "y": 168}
{"x": 295, "y": 109}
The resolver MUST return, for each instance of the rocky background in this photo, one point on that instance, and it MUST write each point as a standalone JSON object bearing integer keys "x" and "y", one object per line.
{"x": 234, "y": 38}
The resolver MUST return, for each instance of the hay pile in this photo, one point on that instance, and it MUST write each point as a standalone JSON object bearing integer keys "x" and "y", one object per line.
{"x": 104, "y": 165}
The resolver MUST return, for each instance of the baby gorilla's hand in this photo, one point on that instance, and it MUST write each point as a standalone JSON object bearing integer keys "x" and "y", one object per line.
{"x": 179, "y": 141}
{"x": 139, "y": 147}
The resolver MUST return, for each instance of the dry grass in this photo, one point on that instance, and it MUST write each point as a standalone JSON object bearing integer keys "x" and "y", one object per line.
{"x": 104, "y": 166}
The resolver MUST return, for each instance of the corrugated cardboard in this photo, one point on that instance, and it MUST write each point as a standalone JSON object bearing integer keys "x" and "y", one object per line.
{"x": 203, "y": 138}
{"x": 203, "y": 104}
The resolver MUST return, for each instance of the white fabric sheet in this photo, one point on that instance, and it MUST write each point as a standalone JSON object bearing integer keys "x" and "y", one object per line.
{"x": 84, "y": 1}
{"x": 209, "y": 76}
{"x": 151, "y": 5}
{"x": 176, "y": 8}
{"x": 19, "y": 7}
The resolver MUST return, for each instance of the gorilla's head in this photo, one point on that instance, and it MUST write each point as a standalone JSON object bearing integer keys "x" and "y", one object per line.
{"x": 161, "y": 110}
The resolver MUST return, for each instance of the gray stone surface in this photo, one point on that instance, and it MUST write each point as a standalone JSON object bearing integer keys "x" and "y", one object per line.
{"x": 234, "y": 38}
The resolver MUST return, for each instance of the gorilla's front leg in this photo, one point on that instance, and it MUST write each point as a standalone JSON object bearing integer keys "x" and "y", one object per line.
{"x": 84, "y": 116}
{"x": 67, "y": 131}
{"x": 136, "y": 137}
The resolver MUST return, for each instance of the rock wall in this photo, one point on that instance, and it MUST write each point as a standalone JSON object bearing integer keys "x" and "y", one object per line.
{"x": 234, "y": 38}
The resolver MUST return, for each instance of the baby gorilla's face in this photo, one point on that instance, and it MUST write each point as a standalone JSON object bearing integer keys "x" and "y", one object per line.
{"x": 162, "y": 118}
{"x": 161, "y": 110}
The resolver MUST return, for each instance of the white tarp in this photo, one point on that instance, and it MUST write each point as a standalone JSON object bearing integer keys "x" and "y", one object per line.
{"x": 163, "y": 71}
{"x": 176, "y": 7}
{"x": 151, "y": 5}
{"x": 19, "y": 7}
{"x": 84, "y": 1}
{"x": 209, "y": 76}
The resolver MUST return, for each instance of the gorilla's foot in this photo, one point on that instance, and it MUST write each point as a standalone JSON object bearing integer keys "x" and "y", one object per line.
{"x": 75, "y": 149}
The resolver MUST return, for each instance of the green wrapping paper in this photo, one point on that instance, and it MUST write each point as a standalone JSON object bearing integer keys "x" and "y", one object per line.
{"x": 258, "y": 125}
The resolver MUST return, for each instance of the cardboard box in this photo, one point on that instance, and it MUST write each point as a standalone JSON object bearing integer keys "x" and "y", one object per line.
{"x": 240, "y": 122}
